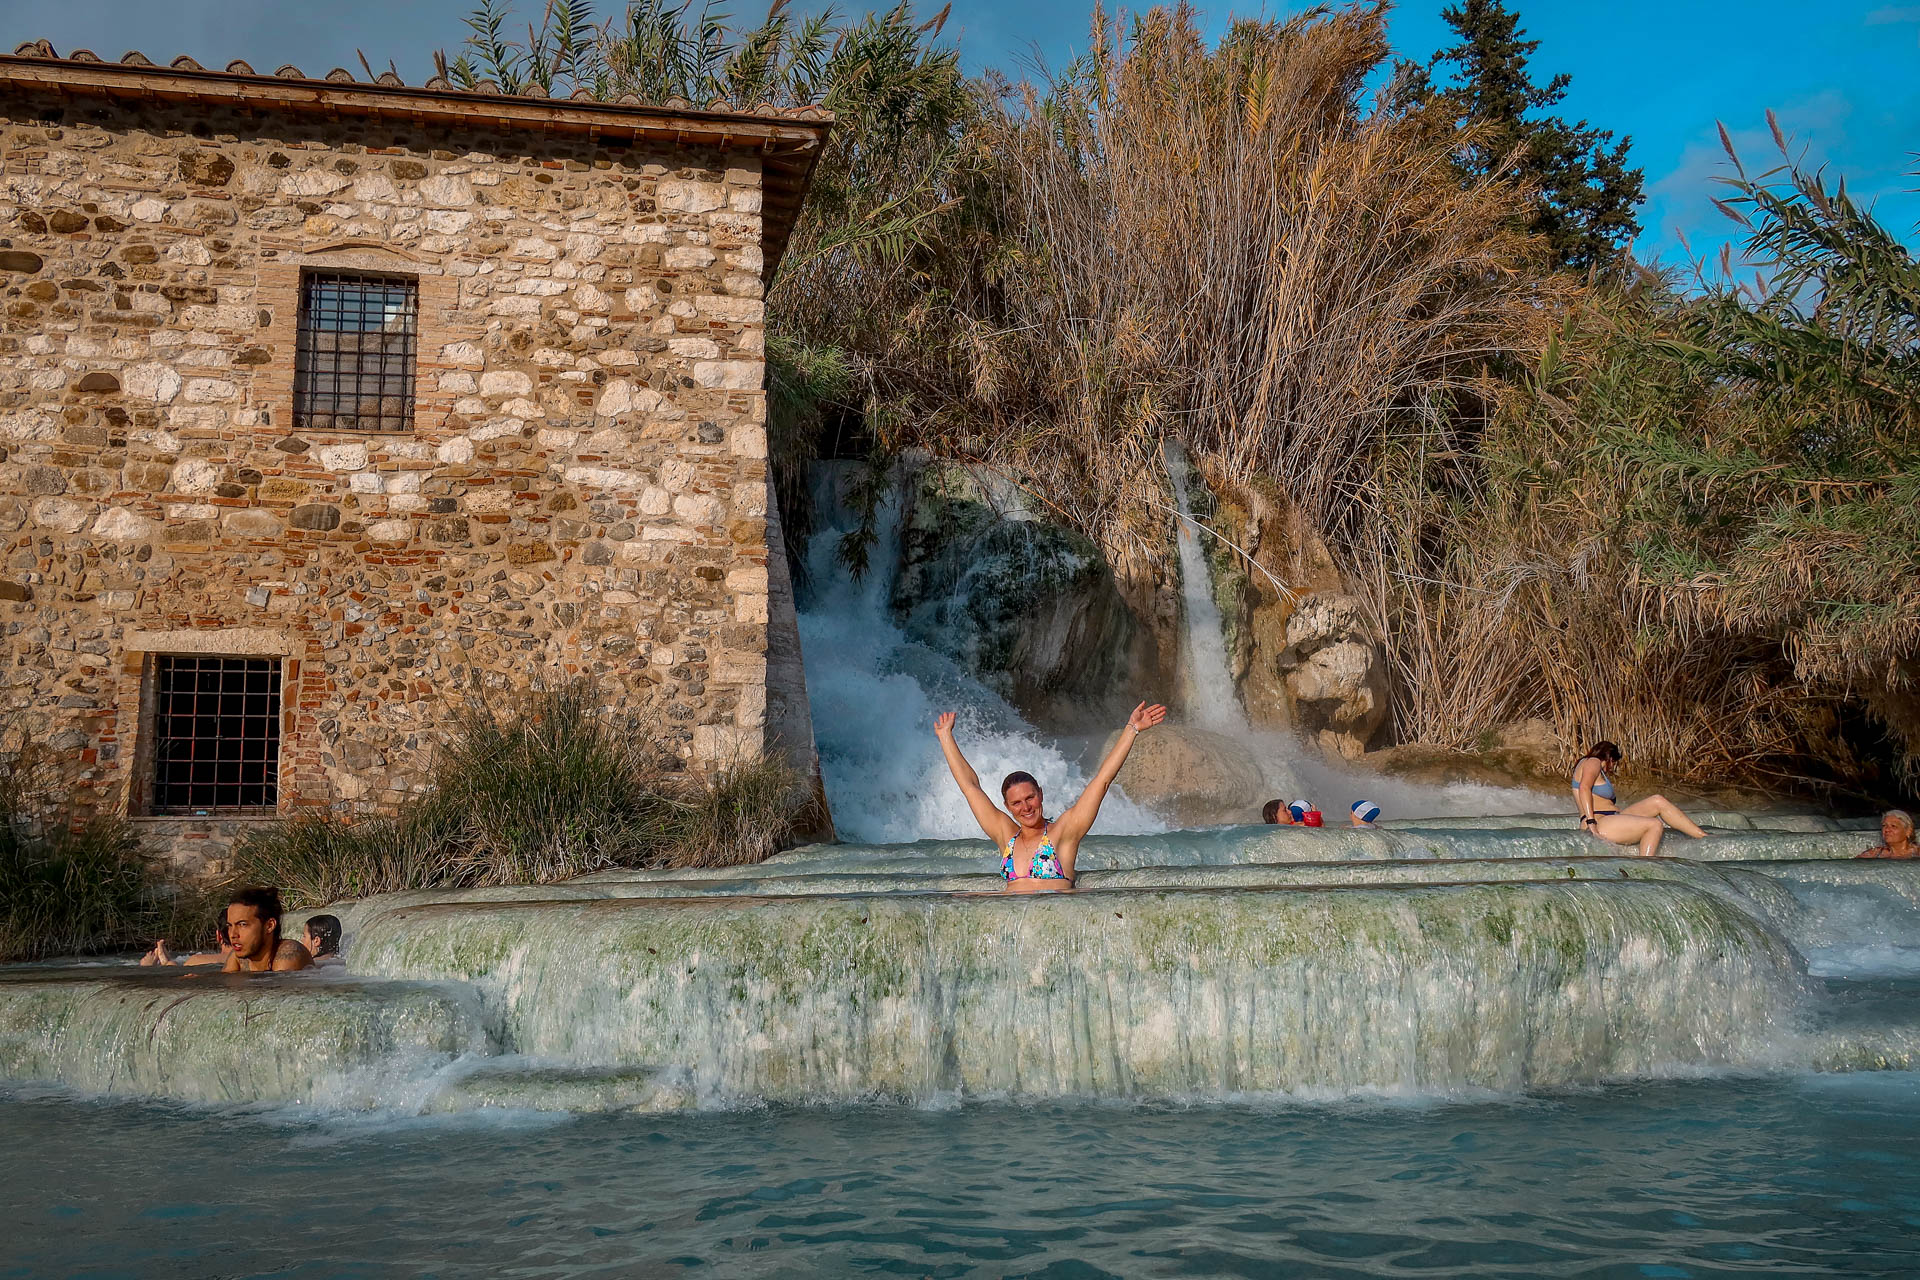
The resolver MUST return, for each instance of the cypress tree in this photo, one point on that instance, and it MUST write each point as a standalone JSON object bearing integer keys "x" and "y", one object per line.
{"x": 1588, "y": 192}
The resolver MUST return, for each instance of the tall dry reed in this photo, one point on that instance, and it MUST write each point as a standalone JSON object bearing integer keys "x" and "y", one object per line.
{"x": 1228, "y": 245}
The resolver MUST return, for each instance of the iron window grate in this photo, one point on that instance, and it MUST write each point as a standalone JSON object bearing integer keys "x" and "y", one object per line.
{"x": 354, "y": 358}
{"x": 216, "y": 734}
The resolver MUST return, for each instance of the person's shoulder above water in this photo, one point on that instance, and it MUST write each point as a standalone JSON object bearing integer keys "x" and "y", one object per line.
{"x": 330, "y": 960}
{"x": 1896, "y": 837}
{"x": 253, "y": 926}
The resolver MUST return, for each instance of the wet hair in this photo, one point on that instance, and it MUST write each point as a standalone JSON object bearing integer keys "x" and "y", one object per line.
{"x": 220, "y": 930}
{"x": 1270, "y": 811}
{"x": 1014, "y": 779}
{"x": 264, "y": 901}
{"x": 1605, "y": 751}
{"x": 1904, "y": 816}
{"x": 326, "y": 930}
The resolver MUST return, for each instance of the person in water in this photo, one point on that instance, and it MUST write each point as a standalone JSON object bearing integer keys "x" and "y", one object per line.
{"x": 253, "y": 927}
{"x": 159, "y": 955}
{"x": 1039, "y": 852}
{"x": 1896, "y": 837}
{"x": 1291, "y": 814}
{"x": 323, "y": 942}
{"x": 1365, "y": 813}
{"x": 1643, "y": 823}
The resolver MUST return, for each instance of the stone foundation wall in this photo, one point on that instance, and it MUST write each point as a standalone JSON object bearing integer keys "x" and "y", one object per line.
{"x": 583, "y": 490}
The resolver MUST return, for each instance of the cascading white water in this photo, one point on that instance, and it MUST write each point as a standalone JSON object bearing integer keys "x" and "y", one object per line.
{"x": 1210, "y": 698}
{"x": 875, "y": 693}
{"x": 1192, "y": 965}
{"x": 1122, "y": 993}
{"x": 1855, "y": 919}
{"x": 1213, "y": 704}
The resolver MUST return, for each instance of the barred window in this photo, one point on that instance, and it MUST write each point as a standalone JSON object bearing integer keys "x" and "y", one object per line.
{"x": 354, "y": 358}
{"x": 216, "y": 733}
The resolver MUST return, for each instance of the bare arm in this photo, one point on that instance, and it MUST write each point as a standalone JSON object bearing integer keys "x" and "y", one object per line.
{"x": 1076, "y": 821}
{"x": 998, "y": 827}
{"x": 1587, "y": 773}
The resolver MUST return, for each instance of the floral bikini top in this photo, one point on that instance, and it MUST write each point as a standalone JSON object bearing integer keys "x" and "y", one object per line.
{"x": 1046, "y": 866}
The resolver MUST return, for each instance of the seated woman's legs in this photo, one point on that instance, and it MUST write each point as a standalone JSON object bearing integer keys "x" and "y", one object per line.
{"x": 1663, "y": 808}
{"x": 1630, "y": 828}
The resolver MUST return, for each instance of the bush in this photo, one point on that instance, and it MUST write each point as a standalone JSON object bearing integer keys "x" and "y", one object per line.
{"x": 553, "y": 788}
{"x": 318, "y": 858}
{"x": 742, "y": 814}
{"x": 75, "y": 886}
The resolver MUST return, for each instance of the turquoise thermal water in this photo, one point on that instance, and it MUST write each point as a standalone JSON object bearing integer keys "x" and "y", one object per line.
{"x": 1810, "y": 1176}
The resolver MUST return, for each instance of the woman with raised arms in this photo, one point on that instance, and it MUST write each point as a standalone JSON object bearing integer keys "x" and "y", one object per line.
{"x": 1039, "y": 851}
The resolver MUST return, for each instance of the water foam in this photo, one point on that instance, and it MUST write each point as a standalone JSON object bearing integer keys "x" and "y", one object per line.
{"x": 875, "y": 693}
{"x": 1121, "y": 993}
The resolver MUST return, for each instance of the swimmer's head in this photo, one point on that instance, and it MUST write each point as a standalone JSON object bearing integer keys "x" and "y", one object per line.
{"x": 253, "y": 922}
{"x": 1365, "y": 813}
{"x": 1270, "y": 811}
{"x": 1896, "y": 824}
{"x": 1605, "y": 752}
{"x": 323, "y": 935}
{"x": 1020, "y": 792}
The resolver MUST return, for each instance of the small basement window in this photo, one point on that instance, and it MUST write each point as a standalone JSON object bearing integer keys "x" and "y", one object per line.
{"x": 354, "y": 357}
{"x": 216, "y": 734}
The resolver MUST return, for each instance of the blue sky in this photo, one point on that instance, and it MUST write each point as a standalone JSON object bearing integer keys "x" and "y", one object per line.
{"x": 1843, "y": 75}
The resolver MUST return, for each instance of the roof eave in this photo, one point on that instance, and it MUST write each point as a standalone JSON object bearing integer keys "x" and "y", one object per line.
{"x": 789, "y": 135}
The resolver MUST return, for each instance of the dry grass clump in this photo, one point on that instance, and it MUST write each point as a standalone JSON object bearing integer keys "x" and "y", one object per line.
{"x": 76, "y": 884}
{"x": 1683, "y": 523}
{"x": 552, "y": 788}
{"x": 1226, "y": 246}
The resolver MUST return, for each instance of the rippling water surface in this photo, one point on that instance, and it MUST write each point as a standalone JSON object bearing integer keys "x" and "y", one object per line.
{"x": 1803, "y": 1175}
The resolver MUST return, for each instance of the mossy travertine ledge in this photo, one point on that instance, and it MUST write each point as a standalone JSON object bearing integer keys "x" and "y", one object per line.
{"x": 208, "y": 1038}
{"x": 1749, "y": 890}
{"x": 1120, "y": 993}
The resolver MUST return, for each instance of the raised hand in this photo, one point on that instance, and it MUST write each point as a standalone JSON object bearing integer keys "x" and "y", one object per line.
{"x": 1144, "y": 717}
{"x": 943, "y": 724}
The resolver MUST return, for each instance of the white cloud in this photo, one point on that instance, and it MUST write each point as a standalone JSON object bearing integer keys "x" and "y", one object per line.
{"x": 1815, "y": 128}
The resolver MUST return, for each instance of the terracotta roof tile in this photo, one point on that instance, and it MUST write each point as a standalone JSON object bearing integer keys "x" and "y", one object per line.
{"x": 392, "y": 80}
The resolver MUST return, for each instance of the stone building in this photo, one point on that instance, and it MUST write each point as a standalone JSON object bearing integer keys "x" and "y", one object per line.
{"x": 328, "y": 405}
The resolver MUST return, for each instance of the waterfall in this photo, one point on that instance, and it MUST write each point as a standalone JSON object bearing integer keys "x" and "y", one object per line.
{"x": 199, "y": 1039}
{"x": 1122, "y": 993}
{"x": 1190, "y": 966}
{"x": 875, "y": 693}
{"x": 1210, "y": 697}
{"x": 1855, "y": 919}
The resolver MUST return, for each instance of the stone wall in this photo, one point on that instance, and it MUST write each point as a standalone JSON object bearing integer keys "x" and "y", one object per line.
{"x": 583, "y": 491}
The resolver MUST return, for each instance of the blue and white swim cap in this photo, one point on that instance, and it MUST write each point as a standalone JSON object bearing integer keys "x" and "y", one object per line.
{"x": 1366, "y": 810}
{"x": 1299, "y": 809}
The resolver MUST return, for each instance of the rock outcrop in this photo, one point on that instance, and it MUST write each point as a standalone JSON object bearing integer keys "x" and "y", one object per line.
{"x": 1193, "y": 777}
{"x": 1334, "y": 674}
{"x": 1030, "y": 608}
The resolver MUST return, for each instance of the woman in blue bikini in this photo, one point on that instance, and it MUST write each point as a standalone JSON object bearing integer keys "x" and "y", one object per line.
{"x": 1038, "y": 852}
{"x": 1643, "y": 823}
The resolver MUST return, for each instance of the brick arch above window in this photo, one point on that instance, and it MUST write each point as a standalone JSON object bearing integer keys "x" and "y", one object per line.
{"x": 438, "y": 325}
